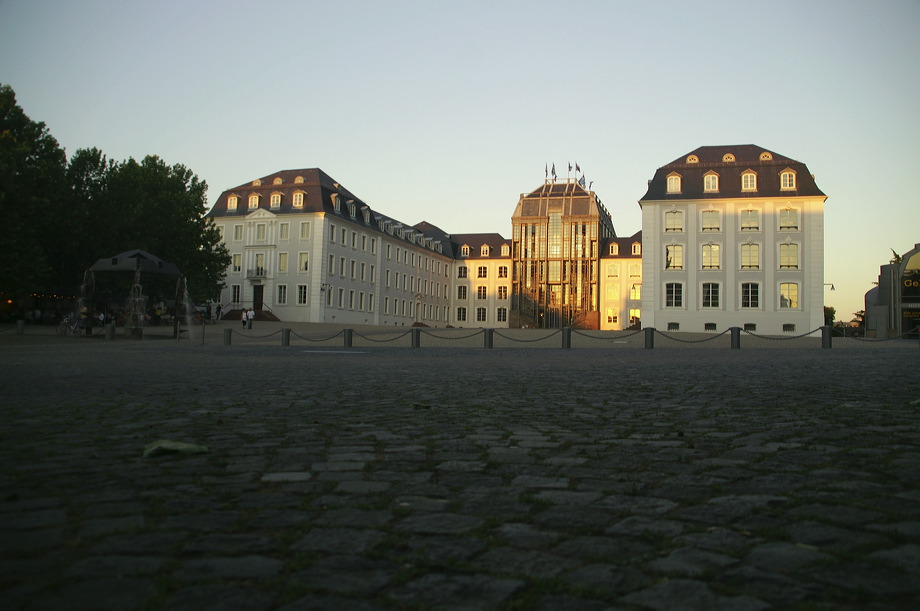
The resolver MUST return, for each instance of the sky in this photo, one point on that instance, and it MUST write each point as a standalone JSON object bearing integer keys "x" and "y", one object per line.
{"x": 447, "y": 111}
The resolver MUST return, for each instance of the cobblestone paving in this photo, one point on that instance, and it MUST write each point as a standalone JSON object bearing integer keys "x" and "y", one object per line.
{"x": 393, "y": 478}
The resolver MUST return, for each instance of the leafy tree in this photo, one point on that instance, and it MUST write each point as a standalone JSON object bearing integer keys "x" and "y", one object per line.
{"x": 33, "y": 198}
{"x": 830, "y": 313}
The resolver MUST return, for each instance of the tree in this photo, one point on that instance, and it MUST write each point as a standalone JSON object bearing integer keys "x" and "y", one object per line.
{"x": 830, "y": 313}
{"x": 33, "y": 198}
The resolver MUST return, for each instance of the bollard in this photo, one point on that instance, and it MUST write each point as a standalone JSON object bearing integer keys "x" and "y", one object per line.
{"x": 650, "y": 337}
{"x": 487, "y": 338}
{"x": 110, "y": 331}
{"x": 285, "y": 337}
{"x": 825, "y": 337}
{"x": 566, "y": 338}
{"x": 228, "y": 333}
{"x": 20, "y": 327}
{"x": 416, "y": 334}
{"x": 347, "y": 335}
{"x": 736, "y": 337}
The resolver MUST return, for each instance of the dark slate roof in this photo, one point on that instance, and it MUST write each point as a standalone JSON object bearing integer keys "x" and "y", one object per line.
{"x": 625, "y": 246}
{"x": 747, "y": 157}
{"x": 476, "y": 241}
{"x": 134, "y": 260}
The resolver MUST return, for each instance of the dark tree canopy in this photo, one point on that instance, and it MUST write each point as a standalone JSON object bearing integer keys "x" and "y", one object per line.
{"x": 61, "y": 217}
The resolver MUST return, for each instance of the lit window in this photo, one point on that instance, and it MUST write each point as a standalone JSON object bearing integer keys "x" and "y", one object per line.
{"x": 284, "y": 231}
{"x": 506, "y": 250}
{"x": 480, "y": 292}
{"x": 464, "y": 251}
{"x": 711, "y": 258}
{"x": 484, "y": 251}
{"x": 674, "y": 257}
{"x": 787, "y": 180}
{"x": 503, "y": 292}
{"x": 749, "y": 181}
{"x": 674, "y": 183}
{"x": 674, "y": 295}
{"x": 765, "y": 156}
{"x": 461, "y": 271}
{"x": 788, "y": 256}
{"x": 282, "y": 261}
{"x": 711, "y": 221}
{"x": 750, "y": 220}
{"x": 231, "y": 202}
{"x": 710, "y": 295}
{"x": 614, "y": 249}
{"x": 673, "y": 221}
{"x": 693, "y": 159}
{"x": 750, "y": 256}
{"x": 750, "y": 295}
{"x": 728, "y": 158}
{"x": 304, "y": 262}
{"x": 637, "y": 248}
{"x": 237, "y": 262}
{"x": 298, "y": 199}
{"x": 298, "y": 180}
{"x": 503, "y": 271}
{"x": 711, "y": 182}
{"x": 276, "y": 200}
{"x": 789, "y": 295}
{"x": 613, "y": 270}
{"x": 635, "y": 292}
{"x": 253, "y": 202}
{"x": 304, "y": 230}
{"x": 482, "y": 271}
{"x": 788, "y": 218}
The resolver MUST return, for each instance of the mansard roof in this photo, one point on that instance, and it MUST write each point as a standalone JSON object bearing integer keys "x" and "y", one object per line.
{"x": 476, "y": 241}
{"x": 729, "y": 162}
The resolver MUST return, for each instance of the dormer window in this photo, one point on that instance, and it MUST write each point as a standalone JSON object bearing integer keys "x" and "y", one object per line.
{"x": 674, "y": 183}
{"x": 614, "y": 249}
{"x": 637, "y": 248}
{"x": 693, "y": 159}
{"x": 277, "y": 181}
{"x": 464, "y": 251}
{"x": 257, "y": 183}
{"x": 298, "y": 180}
{"x": 787, "y": 180}
{"x": 711, "y": 182}
{"x": 506, "y": 250}
{"x": 298, "y": 199}
{"x": 351, "y": 209}
{"x": 253, "y": 202}
{"x": 336, "y": 202}
{"x": 728, "y": 158}
{"x": 765, "y": 156}
{"x": 366, "y": 213}
{"x": 276, "y": 200}
{"x": 484, "y": 251}
{"x": 232, "y": 201}
{"x": 749, "y": 181}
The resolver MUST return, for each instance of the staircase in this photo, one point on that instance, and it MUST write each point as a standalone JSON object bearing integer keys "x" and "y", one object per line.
{"x": 235, "y": 315}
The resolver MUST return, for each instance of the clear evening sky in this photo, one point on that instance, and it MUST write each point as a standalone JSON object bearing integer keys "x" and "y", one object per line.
{"x": 448, "y": 111}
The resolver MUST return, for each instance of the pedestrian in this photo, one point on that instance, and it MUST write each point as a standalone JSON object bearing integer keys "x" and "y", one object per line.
{"x": 219, "y": 308}
{"x": 244, "y": 318}
{"x": 250, "y": 315}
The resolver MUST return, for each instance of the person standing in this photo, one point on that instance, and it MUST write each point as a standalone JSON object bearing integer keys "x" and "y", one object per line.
{"x": 244, "y": 318}
{"x": 250, "y": 315}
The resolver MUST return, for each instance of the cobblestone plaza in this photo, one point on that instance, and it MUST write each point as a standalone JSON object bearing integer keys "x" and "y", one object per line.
{"x": 385, "y": 477}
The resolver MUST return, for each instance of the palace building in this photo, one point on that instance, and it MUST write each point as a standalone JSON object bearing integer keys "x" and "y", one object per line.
{"x": 731, "y": 236}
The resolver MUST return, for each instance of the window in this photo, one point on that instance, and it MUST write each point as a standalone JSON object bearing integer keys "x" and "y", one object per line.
{"x": 711, "y": 220}
{"x": 298, "y": 199}
{"x": 284, "y": 231}
{"x": 260, "y": 264}
{"x": 506, "y": 250}
{"x": 501, "y": 315}
{"x": 673, "y": 326}
{"x": 749, "y": 181}
{"x": 728, "y": 158}
{"x": 673, "y": 221}
{"x": 342, "y": 267}
{"x": 364, "y": 271}
{"x": 788, "y": 328}
{"x": 750, "y": 295}
{"x": 750, "y": 256}
{"x": 787, "y": 180}
{"x": 354, "y": 240}
{"x": 235, "y": 293}
{"x": 788, "y": 256}
{"x": 635, "y": 292}
{"x": 370, "y": 302}
{"x": 634, "y": 269}
{"x": 260, "y": 232}
{"x": 711, "y": 258}
{"x": 613, "y": 270}
{"x": 231, "y": 202}
{"x": 304, "y": 264}
{"x": 480, "y": 314}
{"x": 789, "y": 295}
{"x": 503, "y": 271}
{"x": 614, "y": 249}
{"x": 237, "y": 233}
{"x": 237, "y": 262}
{"x": 344, "y": 235}
{"x": 351, "y": 300}
{"x": 674, "y": 295}
{"x": 750, "y": 220}
{"x": 282, "y": 261}
{"x": 750, "y": 327}
{"x": 253, "y": 202}
{"x": 711, "y": 182}
{"x": 331, "y": 233}
{"x": 637, "y": 248}
{"x": 304, "y": 231}
{"x": 461, "y": 271}
{"x": 354, "y": 269}
{"x": 709, "y": 326}
{"x": 788, "y": 218}
{"x": 465, "y": 251}
{"x": 503, "y": 292}
{"x": 373, "y": 246}
{"x": 481, "y": 292}
{"x": 461, "y": 292}
{"x": 482, "y": 272}
{"x": 282, "y": 294}
{"x": 674, "y": 257}
{"x": 674, "y": 183}
{"x": 301, "y": 294}
{"x": 613, "y": 315}
{"x": 276, "y": 200}
{"x": 710, "y": 295}
{"x": 461, "y": 314}
{"x": 484, "y": 251}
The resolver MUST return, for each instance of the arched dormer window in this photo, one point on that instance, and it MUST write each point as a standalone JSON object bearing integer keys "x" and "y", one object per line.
{"x": 298, "y": 199}
{"x": 765, "y": 156}
{"x": 276, "y": 200}
{"x": 253, "y": 201}
{"x": 298, "y": 180}
{"x": 277, "y": 180}
{"x": 674, "y": 180}
{"x": 787, "y": 180}
{"x": 728, "y": 158}
{"x": 711, "y": 182}
{"x": 232, "y": 201}
{"x": 693, "y": 159}
{"x": 257, "y": 183}
{"x": 749, "y": 180}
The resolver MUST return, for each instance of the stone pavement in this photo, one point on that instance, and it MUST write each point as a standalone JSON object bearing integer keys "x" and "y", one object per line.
{"x": 432, "y": 478}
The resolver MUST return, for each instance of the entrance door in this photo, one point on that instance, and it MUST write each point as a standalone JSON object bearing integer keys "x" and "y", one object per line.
{"x": 258, "y": 292}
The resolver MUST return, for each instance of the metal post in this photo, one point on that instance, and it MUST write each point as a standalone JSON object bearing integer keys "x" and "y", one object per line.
{"x": 20, "y": 327}
{"x": 736, "y": 337}
{"x": 228, "y": 333}
{"x": 416, "y": 334}
{"x": 487, "y": 338}
{"x": 285, "y": 337}
{"x": 650, "y": 337}
{"x": 566, "y": 338}
{"x": 348, "y": 335}
{"x": 825, "y": 337}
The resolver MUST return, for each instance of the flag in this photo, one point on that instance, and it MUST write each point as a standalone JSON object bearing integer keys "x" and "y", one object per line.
{"x": 570, "y": 166}
{"x": 554, "y": 170}
{"x": 589, "y": 185}
{"x": 577, "y": 169}
{"x": 581, "y": 180}
{"x": 546, "y": 170}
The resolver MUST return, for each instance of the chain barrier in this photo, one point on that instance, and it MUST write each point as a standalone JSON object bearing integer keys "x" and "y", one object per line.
{"x": 382, "y": 341}
{"x": 611, "y": 338}
{"x": 324, "y": 339}
{"x": 781, "y": 339}
{"x": 257, "y": 336}
{"x": 474, "y": 334}
{"x": 692, "y": 341}
{"x": 874, "y": 340}
{"x": 528, "y": 341}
